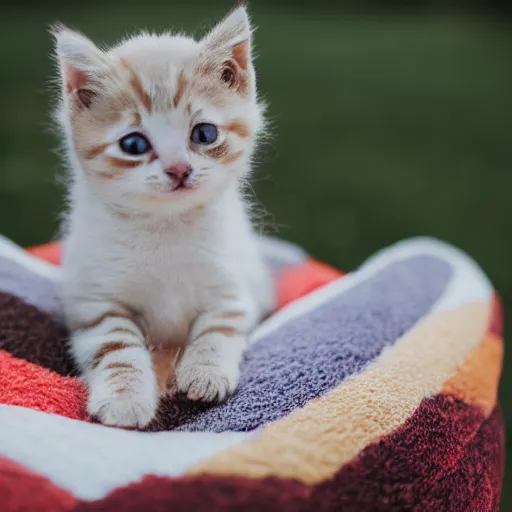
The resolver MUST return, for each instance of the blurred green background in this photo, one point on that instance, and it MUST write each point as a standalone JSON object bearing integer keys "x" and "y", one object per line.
{"x": 387, "y": 124}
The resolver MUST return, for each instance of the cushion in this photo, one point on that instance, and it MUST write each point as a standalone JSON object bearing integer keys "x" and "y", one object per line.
{"x": 374, "y": 390}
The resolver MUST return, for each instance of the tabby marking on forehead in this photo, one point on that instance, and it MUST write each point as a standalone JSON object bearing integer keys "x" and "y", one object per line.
{"x": 182, "y": 84}
{"x": 137, "y": 87}
{"x": 137, "y": 120}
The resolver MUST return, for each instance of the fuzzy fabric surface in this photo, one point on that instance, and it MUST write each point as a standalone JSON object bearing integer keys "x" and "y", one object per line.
{"x": 371, "y": 391}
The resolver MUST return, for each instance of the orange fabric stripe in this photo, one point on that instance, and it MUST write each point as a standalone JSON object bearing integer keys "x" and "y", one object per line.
{"x": 477, "y": 381}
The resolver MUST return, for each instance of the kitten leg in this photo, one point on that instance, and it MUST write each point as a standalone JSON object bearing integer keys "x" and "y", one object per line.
{"x": 210, "y": 367}
{"x": 117, "y": 368}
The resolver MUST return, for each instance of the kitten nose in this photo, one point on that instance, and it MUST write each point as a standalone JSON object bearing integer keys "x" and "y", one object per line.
{"x": 179, "y": 172}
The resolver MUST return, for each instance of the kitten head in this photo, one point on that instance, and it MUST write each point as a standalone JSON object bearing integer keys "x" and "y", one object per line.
{"x": 160, "y": 121}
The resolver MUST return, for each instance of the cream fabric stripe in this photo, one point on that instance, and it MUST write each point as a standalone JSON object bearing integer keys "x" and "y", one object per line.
{"x": 313, "y": 443}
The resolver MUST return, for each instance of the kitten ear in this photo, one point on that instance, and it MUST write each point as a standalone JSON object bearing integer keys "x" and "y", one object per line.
{"x": 229, "y": 45}
{"x": 81, "y": 62}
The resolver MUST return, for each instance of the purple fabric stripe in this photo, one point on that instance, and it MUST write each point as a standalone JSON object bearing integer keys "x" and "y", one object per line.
{"x": 306, "y": 358}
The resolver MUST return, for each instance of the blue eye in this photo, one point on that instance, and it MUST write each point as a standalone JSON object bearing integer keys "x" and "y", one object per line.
{"x": 204, "y": 134}
{"x": 135, "y": 144}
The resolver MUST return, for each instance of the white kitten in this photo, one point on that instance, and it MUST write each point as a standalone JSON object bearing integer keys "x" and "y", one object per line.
{"x": 160, "y": 260}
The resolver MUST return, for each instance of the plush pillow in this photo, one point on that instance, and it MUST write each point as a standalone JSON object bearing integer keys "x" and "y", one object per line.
{"x": 372, "y": 391}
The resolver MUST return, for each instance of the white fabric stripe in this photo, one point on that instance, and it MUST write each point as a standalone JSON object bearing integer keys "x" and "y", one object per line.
{"x": 468, "y": 283}
{"x": 91, "y": 460}
{"x": 13, "y": 252}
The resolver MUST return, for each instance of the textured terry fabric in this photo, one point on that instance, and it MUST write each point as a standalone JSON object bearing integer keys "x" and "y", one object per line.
{"x": 377, "y": 400}
{"x": 444, "y": 452}
{"x": 38, "y": 290}
{"x": 50, "y": 252}
{"x": 446, "y": 458}
{"x": 24, "y": 384}
{"x": 312, "y": 356}
{"x": 23, "y": 491}
{"x": 303, "y": 278}
{"x": 31, "y": 334}
{"x": 496, "y": 320}
{"x": 475, "y": 381}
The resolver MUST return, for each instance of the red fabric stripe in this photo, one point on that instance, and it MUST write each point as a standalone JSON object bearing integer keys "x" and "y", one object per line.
{"x": 27, "y": 385}
{"x": 496, "y": 321}
{"x": 447, "y": 457}
{"x": 23, "y": 491}
{"x": 49, "y": 252}
{"x": 301, "y": 279}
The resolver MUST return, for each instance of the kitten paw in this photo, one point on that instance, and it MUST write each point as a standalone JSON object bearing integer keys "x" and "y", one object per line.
{"x": 132, "y": 406}
{"x": 206, "y": 381}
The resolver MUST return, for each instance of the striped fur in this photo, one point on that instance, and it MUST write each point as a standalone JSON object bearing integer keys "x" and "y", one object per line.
{"x": 112, "y": 351}
{"x": 163, "y": 277}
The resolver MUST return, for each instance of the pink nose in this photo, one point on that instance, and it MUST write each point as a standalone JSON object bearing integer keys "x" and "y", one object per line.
{"x": 179, "y": 172}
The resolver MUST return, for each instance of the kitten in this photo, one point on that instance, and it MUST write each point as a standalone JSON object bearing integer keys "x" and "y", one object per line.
{"x": 160, "y": 260}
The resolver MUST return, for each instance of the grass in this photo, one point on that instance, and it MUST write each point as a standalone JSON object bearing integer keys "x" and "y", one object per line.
{"x": 384, "y": 128}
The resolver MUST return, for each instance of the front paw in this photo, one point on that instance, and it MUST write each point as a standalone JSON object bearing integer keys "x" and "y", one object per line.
{"x": 205, "y": 380}
{"x": 132, "y": 405}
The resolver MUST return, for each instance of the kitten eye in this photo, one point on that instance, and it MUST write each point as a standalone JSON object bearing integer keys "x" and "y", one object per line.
{"x": 204, "y": 133}
{"x": 135, "y": 144}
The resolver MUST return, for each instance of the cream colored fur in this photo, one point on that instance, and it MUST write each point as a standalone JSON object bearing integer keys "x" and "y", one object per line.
{"x": 150, "y": 269}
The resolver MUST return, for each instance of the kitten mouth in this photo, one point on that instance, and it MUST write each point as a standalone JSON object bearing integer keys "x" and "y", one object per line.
{"x": 182, "y": 186}
{"x": 172, "y": 188}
